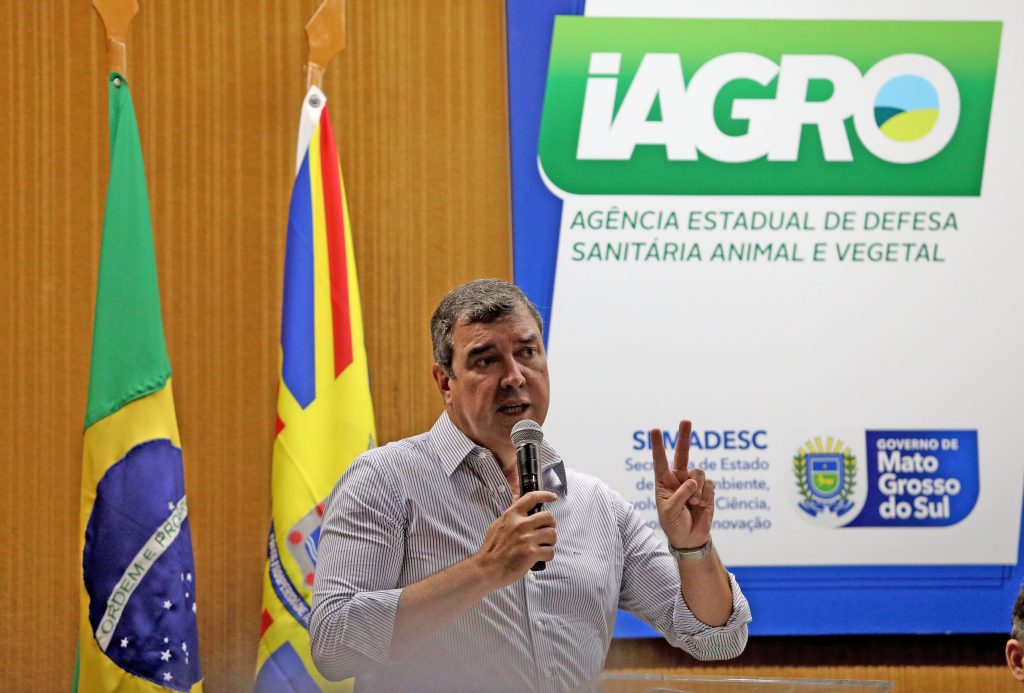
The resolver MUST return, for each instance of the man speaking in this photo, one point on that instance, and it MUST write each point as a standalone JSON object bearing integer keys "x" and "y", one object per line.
{"x": 424, "y": 579}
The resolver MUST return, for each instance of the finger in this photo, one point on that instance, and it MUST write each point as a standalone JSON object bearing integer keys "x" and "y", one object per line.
{"x": 546, "y": 536}
{"x": 681, "y": 461}
{"x": 525, "y": 502}
{"x": 539, "y": 520}
{"x": 545, "y": 553}
{"x": 658, "y": 451}
{"x": 707, "y": 496}
{"x": 698, "y": 476}
{"x": 683, "y": 494}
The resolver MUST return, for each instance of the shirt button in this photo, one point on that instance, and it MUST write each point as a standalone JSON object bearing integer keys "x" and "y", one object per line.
{"x": 540, "y": 623}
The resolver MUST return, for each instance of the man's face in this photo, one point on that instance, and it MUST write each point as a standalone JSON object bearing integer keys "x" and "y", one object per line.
{"x": 501, "y": 377}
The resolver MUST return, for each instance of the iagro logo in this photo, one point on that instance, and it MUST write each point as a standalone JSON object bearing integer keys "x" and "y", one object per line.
{"x": 806, "y": 107}
{"x": 907, "y": 131}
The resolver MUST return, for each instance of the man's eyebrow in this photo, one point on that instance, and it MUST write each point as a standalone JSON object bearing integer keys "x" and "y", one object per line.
{"x": 477, "y": 350}
{"x": 489, "y": 346}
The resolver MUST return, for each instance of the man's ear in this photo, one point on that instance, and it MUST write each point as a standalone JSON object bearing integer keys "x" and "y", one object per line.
{"x": 1015, "y": 658}
{"x": 442, "y": 379}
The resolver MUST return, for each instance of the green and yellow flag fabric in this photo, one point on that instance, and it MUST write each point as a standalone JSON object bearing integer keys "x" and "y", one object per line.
{"x": 137, "y": 620}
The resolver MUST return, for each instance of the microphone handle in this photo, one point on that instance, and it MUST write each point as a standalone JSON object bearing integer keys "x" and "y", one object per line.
{"x": 528, "y": 481}
{"x": 539, "y": 565}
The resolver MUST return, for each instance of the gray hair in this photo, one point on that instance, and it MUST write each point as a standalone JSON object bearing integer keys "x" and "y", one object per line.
{"x": 482, "y": 300}
{"x": 1017, "y": 629}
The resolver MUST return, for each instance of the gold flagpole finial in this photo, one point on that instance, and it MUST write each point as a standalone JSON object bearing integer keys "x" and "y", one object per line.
{"x": 326, "y": 33}
{"x": 116, "y": 16}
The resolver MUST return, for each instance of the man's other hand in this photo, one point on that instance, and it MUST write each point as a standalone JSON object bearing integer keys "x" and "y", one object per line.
{"x": 685, "y": 498}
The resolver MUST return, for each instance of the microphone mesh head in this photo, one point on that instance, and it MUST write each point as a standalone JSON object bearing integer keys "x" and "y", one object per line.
{"x": 527, "y": 431}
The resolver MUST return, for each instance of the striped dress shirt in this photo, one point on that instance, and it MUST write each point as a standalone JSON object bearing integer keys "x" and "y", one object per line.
{"x": 410, "y": 509}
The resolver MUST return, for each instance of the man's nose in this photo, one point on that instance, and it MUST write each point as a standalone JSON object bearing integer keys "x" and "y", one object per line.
{"x": 513, "y": 375}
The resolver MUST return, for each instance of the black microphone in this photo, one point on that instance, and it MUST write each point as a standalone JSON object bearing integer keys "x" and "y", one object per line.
{"x": 527, "y": 436}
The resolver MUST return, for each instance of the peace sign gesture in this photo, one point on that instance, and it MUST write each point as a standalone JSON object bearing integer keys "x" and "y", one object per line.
{"x": 685, "y": 498}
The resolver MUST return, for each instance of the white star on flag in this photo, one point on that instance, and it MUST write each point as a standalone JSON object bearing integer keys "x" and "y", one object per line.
{"x": 165, "y": 656}
{"x": 193, "y": 607}
{"x": 124, "y": 642}
{"x": 166, "y": 640}
{"x": 188, "y": 576}
{"x": 170, "y": 505}
{"x": 167, "y": 676}
{"x": 167, "y": 603}
{"x": 184, "y": 647}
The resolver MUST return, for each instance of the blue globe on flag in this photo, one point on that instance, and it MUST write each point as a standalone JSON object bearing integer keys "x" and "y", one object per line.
{"x": 138, "y": 568}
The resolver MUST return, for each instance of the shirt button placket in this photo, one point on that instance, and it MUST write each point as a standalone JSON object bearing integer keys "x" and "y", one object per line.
{"x": 546, "y": 654}
{"x": 550, "y": 684}
{"x": 537, "y": 625}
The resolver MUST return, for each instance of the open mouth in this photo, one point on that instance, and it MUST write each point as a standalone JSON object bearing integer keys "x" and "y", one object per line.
{"x": 513, "y": 409}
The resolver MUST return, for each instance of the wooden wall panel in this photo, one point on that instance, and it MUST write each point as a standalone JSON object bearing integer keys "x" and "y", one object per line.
{"x": 905, "y": 678}
{"x": 925, "y": 663}
{"x": 418, "y": 105}
{"x": 418, "y": 102}
{"x": 51, "y": 189}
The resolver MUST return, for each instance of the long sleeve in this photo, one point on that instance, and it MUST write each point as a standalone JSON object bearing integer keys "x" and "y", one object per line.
{"x": 650, "y": 590}
{"x": 355, "y": 593}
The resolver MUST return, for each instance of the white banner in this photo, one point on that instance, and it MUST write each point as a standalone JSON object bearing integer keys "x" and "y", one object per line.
{"x": 850, "y": 360}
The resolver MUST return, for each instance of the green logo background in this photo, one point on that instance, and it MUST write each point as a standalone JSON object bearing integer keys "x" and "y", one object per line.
{"x": 969, "y": 50}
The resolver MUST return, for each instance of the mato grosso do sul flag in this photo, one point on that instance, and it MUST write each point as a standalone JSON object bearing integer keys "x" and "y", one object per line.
{"x": 324, "y": 410}
{"x": 137, "y": 620}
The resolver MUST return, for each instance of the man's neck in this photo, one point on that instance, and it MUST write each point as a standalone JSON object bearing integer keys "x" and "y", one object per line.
{"x": 511, "y": 471}
{"x": 504, "y": 455}
{"x": 506, "y": 459}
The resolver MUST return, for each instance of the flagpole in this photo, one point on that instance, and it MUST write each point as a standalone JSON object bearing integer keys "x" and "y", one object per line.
{"x": 326, "y": 34}
{"x": 116, "y": 16}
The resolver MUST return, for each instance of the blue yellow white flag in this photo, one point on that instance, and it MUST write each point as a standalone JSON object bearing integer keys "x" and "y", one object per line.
{"x": 324, "y": 411}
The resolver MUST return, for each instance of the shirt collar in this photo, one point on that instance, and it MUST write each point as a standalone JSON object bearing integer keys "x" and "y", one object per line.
{"x": 451, "y": 445}
{"x": 453, "y": 448}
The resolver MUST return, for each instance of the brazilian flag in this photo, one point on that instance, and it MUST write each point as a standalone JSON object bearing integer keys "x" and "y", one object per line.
{"x": 137, "y": 616}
